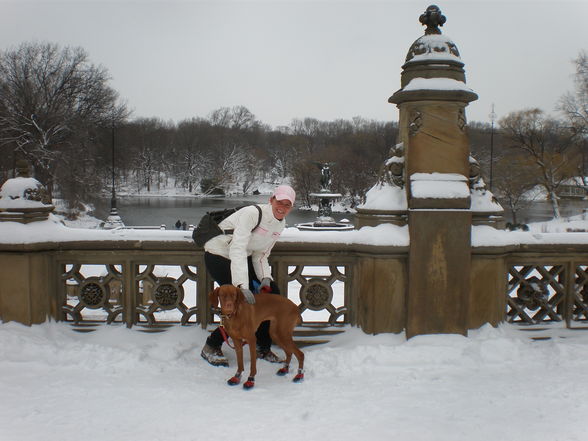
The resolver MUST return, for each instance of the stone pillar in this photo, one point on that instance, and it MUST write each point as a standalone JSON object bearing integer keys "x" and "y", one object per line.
{"x": 25, "y": 296}
{"x": 433, "y": 132}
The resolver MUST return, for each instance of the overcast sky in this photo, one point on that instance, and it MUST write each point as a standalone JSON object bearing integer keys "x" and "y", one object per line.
{"x": 294, "y": 59}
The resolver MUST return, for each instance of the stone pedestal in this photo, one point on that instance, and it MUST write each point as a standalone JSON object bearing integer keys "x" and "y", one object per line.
{"x": 23, "y": 276}
{"x": 439, "y": 272}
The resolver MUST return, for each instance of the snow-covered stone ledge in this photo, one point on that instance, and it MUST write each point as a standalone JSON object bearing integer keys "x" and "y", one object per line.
{"x": 53, "y": 235}
{"x": 487, "y": 237}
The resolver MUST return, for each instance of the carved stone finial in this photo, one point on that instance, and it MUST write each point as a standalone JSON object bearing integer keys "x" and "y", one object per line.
{"x": 22, "y": 169}
{"x": 432, "y": 18}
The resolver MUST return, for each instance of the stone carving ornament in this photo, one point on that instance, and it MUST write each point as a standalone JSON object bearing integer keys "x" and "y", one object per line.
{"x": 317, "y": 295}
{"x": 416, "y": 122}
{"x": 433, "y": 19}
{"x": 533, "y": 293}
{"x": 167, "y": 294}
{"x": 92, "y": 293}
{"x": 392, "y": 171}
{"x": 421, "y": 47}
{"x": 461, "y": 120}
{"x": 475, "y": 178}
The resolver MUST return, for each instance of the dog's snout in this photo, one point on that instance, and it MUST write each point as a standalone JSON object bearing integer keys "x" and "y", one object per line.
{"x": 227, "y": 306}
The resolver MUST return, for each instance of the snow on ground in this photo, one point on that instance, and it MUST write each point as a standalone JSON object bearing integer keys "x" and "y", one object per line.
{"x": 571, "y": 224}
{"x": 117, "y": 384}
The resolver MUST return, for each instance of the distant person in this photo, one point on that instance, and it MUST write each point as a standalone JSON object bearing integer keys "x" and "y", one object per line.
{"x": 184, "y": 225}
{"x": 241, "y": 259}
{"x": 178, "y": 224}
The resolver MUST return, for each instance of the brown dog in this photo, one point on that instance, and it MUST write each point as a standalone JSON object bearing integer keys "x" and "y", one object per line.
{"x": 241, "y": 320}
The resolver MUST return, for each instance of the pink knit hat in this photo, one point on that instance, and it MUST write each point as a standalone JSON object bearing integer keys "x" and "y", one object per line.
{"x": 285, "y": 192}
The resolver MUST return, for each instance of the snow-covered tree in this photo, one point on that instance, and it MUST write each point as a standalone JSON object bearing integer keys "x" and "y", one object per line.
{"x": 50, "y": 97}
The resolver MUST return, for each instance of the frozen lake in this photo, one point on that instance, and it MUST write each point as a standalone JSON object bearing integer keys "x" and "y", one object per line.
{"x": 144, "y": 210}
{"x": 158, "y": 210}
{"x": 540, "y": 211}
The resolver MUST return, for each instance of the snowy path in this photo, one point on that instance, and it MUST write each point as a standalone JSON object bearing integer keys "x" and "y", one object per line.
{"x": 124, "y": 385}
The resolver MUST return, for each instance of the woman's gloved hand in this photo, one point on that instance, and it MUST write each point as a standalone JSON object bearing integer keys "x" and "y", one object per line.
{"x": 249, "y": 297}
{"x": 265, "y": 285}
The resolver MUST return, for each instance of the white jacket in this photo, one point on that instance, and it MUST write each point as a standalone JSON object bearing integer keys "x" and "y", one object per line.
{"x": 243, "y": 242}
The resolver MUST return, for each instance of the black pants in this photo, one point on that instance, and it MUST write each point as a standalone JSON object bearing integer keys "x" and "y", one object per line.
{"x": 220, "y": 269}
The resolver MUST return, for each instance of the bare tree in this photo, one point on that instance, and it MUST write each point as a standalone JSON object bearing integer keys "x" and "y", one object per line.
{"x": 48, "y": 97}
{"x": 220, "y": 117}
{"x": 305, "y": 180}
{"x": 242, "y": 118}
{"x": 515, "y": 177}
{"x": 150, "y": 143}
{"x": 310, "y": 134}
{"x": 189, "y": 143}
{"x": 549, "y": 145}
{"x": 575, "y": 105}
{"x": 232, "y": 160}
{"x": 237, "y": 117}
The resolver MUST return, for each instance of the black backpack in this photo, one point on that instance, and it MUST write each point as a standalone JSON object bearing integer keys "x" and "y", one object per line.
{"x": 208, "y": 226}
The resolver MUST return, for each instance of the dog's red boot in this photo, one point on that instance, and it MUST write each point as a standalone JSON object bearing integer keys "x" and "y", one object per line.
{"x": 283, "y": 371}
{"x": 234, "y": 380}
{"x": 249, "y": 383}
{"x": 299, "y": 377}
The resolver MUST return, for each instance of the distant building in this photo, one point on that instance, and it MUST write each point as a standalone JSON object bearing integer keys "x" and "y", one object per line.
{"x": 573, "y": 188}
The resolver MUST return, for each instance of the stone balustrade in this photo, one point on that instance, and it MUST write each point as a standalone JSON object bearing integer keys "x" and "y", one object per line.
{"x": 154, "y": 282}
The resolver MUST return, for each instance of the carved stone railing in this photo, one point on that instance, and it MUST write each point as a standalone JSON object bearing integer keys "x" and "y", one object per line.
{"x": 143, "y": 288}
{"x": 132, "y": 287}
{"x": 158, "y": 283}
{"x": 547, "y": 287}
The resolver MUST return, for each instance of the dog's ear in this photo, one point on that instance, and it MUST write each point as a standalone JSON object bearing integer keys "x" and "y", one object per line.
{"x": 213, "y": 298}
{"x": 239, "y": 296}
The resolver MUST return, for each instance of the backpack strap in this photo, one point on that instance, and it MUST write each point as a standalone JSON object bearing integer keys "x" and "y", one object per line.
{"x": 256, "y": 225}
{"x": 259, "y": 217}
